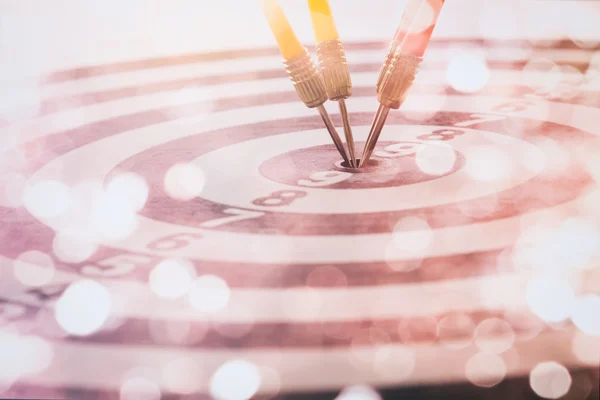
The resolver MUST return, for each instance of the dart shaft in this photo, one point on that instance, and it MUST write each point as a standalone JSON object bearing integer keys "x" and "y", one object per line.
{"x": 310, "y": 87}
{"x": 348, "y": 133}
{"x": 402, "y": 64}
{"x": 397, "y": 80}
{"x": 376, "y": 128}
{"x": 314, "y": 87}
{"x": 338, "y": 85}
{"x": 333, "y": 133}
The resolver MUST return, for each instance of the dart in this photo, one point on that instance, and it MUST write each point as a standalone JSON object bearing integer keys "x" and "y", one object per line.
{"x": 332, "y": 61}
{"x": 400, "y": 67}
{"x": 298, "y": 63}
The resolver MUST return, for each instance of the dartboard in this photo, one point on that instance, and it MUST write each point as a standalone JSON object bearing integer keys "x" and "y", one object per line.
{"x": 183, "y": 226}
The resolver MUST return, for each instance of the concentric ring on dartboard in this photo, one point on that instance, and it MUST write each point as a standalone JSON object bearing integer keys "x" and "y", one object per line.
{"x": 409, "y": 329}
{"x": 241, "y": 86}
{"x": 247, "y": 94}
{"x": 232, "y": 178}
{"x": 223, "y": 97}
{"x": 234, "y": 95}
{"x": 272, "y": 248}
{"x": 259, "y": 305}
{"x": 505, "y": 50}
{"x": 275, "y": 275}
{"x": 329, "y": 367}
{"x": 241, "y": 331}
{"x": 255, "y": 188}
{"x": 285, "y": 304}
{"x": 312, "y": 167}
{"x": 263, "y": 317}
{"x": 186, "y": 74}
{"x": 112, "y": 264}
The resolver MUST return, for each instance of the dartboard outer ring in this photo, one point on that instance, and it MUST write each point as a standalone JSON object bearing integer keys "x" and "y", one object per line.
{"x": 311, "y": 335}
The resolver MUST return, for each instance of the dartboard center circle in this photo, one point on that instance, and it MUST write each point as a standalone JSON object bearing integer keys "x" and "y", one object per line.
{"x": 342, "y": 165}
{"x": 320, "y": 166}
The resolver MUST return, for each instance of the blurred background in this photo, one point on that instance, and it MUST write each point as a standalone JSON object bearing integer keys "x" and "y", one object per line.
{"x": 37, "y": 37}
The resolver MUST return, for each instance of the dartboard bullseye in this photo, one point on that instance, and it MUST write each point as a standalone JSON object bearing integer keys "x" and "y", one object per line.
{"x": 191, "y": 214}
{"x": 394, "y": 168}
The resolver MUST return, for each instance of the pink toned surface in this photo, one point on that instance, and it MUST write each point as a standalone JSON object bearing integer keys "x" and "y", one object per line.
{"x": 460, "y": 284}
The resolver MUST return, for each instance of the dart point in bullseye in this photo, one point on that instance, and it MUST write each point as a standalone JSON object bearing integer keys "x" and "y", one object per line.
{"x": 332, "y": 61}
{"x": 307, "y": 80}
{"x": 332, "y": 81}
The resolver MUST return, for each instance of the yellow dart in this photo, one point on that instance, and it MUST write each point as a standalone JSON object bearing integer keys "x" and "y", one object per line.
{"x": 332, "y": 61}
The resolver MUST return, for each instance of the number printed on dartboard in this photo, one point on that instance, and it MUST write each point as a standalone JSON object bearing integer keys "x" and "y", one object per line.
{"x": 411, "y": 148}
{"x": 124, "y": 264}
{"x": 441, "y": 134}
{"x": 117, "y": 266}
{"x": 425, "y": 137}
{"x": 279, "y": 198}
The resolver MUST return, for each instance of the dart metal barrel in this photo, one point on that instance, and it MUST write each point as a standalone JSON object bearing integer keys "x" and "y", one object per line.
{"x": 386, "y": 64}
{"x": 397, "y": 79}
{"x": 306, "y": 79}
{"x": 334, "y": 69}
